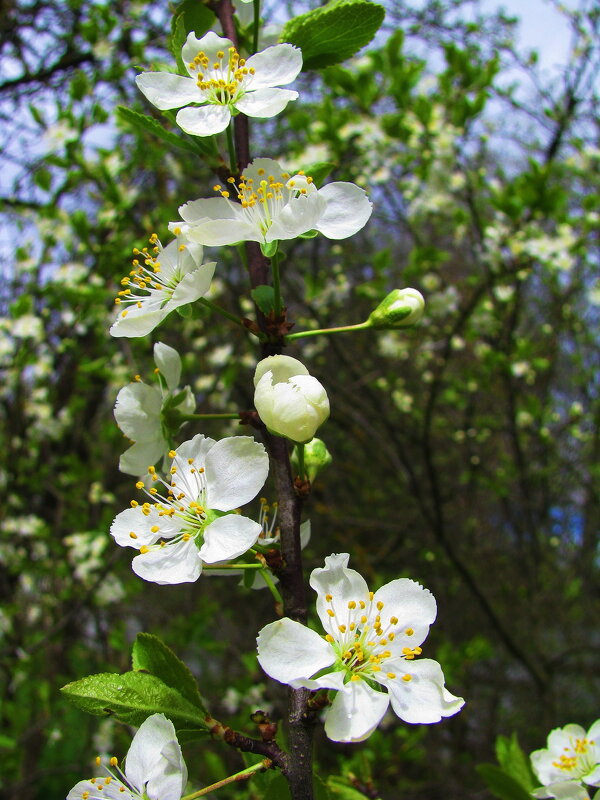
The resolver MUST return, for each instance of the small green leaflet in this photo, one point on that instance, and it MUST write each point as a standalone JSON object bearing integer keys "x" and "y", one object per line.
{"x": 501, "y": 784}
{"x": 153, "y": 126}
{"x": 264, "y": 297}
{"x": 334, "y": 32}
{"x": 514, "y": 762}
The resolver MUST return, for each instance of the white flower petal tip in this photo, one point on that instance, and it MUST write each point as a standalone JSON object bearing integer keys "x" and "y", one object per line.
{"x": 288, "y": 400}
{"x": 154, "y": 768}
{"x": 223, "y": 83}
{"x": 274, "y": 205}
{"x": 185, "y": 520}
{"x": 571, "y": 758}
{"x": 372, "y": 638}
{"x": 161, "y": 281}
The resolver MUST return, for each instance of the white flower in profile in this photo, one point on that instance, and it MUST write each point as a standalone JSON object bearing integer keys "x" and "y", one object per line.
{"x": 368, "y": 652}
{"x": 289, "y": 401}
{"x": 223, "y": 83}
{"x": 189, "y": 523}
{"x": 141, "y": 408}
{"x": 571, "y": 758}
{"x": 169, "y": 277}
{"x": 154, "y": 768}
{"x": 274, "y": 205}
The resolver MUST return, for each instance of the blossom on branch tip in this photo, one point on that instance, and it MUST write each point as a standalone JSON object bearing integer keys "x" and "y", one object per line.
{"x": 288, "y": 400}
{"x": 571, "y": 758}
{"x": 367, "y": 655}
{"x": 160, "y": 281}
{"x": 142, "y": 410}
{"x": 154, "y": 768}
{"x": 223, "y": 83}
{"x": 191, "y": 522}
{"x": 274, "y": 205}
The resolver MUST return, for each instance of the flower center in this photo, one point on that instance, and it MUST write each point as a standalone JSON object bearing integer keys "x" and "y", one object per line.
{"x": 225, "y": 79}
{"x": 97, "y": 788}
{"x": 576, "y": 759}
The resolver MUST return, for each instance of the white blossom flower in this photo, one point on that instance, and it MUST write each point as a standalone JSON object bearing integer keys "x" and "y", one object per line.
{"x": 189, "y": 523}
{"x": 140, "y": 408}
{"x": 170, "y": 277}
{"x": 223, "y": 83}
{"x": 289, "y": 401}
{"x": 154, "y": 768}
{"x": 274, "y": 205}
{"x": 571, "y": 758}
{"x": 370, "y": 646}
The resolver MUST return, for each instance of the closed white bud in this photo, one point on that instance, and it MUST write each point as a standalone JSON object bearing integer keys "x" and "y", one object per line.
{"x": 400, "y": 309}
{"x": 289, "y": 401}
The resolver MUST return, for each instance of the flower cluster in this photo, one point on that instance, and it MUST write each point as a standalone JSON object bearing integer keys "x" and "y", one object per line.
{"x": 569, "y": 763}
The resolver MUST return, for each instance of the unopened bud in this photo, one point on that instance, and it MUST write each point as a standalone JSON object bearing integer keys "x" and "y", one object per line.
{"x": 400, "y": 309}
{"x": 316, "y": 458}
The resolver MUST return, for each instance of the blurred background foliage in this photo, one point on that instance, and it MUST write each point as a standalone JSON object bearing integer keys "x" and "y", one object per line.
{"x": 465, "y": 451}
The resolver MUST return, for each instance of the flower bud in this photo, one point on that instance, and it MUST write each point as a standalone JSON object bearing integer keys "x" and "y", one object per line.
{"x": 400, "y": 309}
{"x": 316, "y": 458}
{"x": 289, "y": 401}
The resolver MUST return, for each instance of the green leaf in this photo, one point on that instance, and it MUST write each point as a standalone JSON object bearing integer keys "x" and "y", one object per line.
{"x": 334, "y": 32}
{"x": 278, "y": 789}
{"x": 151, "y": 125}
{"x": 264, "y": 297}
{"x": 513, "y": 761}
{"x": 131, "y": 698}
{"x": 339, "y": 788}
{"x": 319, "y": 171}
{"x": 151, "y": 655}
{"x": 43, "y": 178}
{"x": 190, "y": 16}
{"x": 501, "y": 784}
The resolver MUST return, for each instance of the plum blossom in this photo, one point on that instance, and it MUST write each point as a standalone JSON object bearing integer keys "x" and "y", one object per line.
{"x": 169, "y": 277}
{"x": 189, "y": 523}
{"x": 274, "y": 205}
{"x": 154, "y": 768}
{"x": 289, "y": 401}
{"x": 571, "y": 759}
{"x": 141, "y": 409}
{"x": 371, "y": 641}
{"x": 223, "y": 83}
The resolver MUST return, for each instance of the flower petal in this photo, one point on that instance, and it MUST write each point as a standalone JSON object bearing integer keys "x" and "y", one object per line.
{"x": 209, "y": 208}
{"x": 562, "y": 790}
{"x": 423, "y": 699}
{"x": 168, "y": 779}
{"x": 136, "y": 459}
{"x": 137, "y": 411}
{"x": 236, "y": 469}
{"x": 343, "y": 584}
{"x": 168, "y": 361}
{"x": 210, "y": 44}
{"x": 134, "y": 520}
{"x": 413, "y": 606}
{"x": 145, "y": 750}
{"x": 192, "y": 286}
{"x": 115, "y": 790}
{"x": 175, "y": 563}
{"x": 228, "y": 537}
{"x": 281, "y": 367}
{"x": 275, "y": 66}
{"x": 355, "y": 713}
{"x": 265, "y": 103}
{"x": 348, "y": 210}
{"x": 137, "y": 321}
{"x": 165, "y": 90}
{"x": 217, "y": 232}
{"x": 290, "y": 652}
{"x": 204, "y": 121}
{"x": 299, "y": 215}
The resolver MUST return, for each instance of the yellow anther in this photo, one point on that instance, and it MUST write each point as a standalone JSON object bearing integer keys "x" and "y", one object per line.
{"x": 107, "y": 780}
{"x": 391, "y": 636}
{"x": 329, "y": 638}
{"x": 329, "y": 597}
{"x": 362, "y": 604}
{"x": 391, "y": 675}
{"x": 330, "y": 612}
{"x": 151, "y": 469}
{"x": 172, "y": 453}
{"x": 408, "y": 631}
{"x": 363, "y": 619}
{"x": 133, "y": 535}
{"x": 371, "y": 595}
{"x": 355, "y": 678}
{"x": 342, "y": 628}
{"x": 155, "y": 529}
{"x": 407, "y": 677}
{"x": 98, "y": 761}
{"x": 144, "y": 549}
{"x": 134, "y": 504}
{"x": 186, "y": 537}
{"x": 137, "y": 378}
{"x": 85, "y": 795}
{"x": 139, "y": 485}
{"x": 379, "y": 606}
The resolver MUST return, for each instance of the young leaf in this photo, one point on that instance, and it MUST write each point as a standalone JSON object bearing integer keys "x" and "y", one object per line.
{"x": 334, "y": 32}
{"x": 151, "y": 655}
{"x": 338, "y": 788}
{"x": 131, "y": 698}
{"x": 501, "y": 784}
{"x": 513, "y": 761}
{"x": 151, "y": 125}
{"x": 264, "y": 297}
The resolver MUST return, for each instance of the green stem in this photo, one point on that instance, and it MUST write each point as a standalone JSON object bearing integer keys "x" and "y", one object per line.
{"x": 188, "y": 417}
{"x": 221, "y": 310}
{"x": 256, "y": 25}
{"x": 239, "y": 776}
{"x": 361, "y": 326}
{"x": 234, "y": 566}
{"x": 276, "y": 284}
{"x": 231, "y": 147}
{"x": 266, "y": 573}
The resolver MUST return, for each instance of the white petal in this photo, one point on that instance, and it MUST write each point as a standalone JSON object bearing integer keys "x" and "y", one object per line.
{"x": 141, "y": 455}
{"x": 228, "y": 537}
{"x": 137, "y": 321}
{"x": 196, "y": 448}
{"x": 165, "y": 90}
{"x": 423, "y": 699}
{"x": 137, "y": 411}
{"x": 168, "y": 779}
{"x": 562, "y": 790}
{"x": 260, "y": 167}
{"x": 209, "y": 208}
{"x": 236, "y": 469}
{"x": 299, "y": 215}
{"x": 133, "y": 520}
{"x": 174, "y": 563}
{"x": 145, "y": 751}
{"x": 304, "y": 534}
{"x": 281, "y": 368}
{"x": 290, "y": 652}
{"x": 204, "y": 121}
{"x": 115, "y": 790}
{"x": 592, "y": 778}
{"x": 355, "y": 713}
{"x": 209, "y": 44}
{"x": 275, "y": 66}
{"x": 168, "y": 361}
{"x": 192, "y": 286}
{"x": 265, "y": 103}
{"x": 342, "y": 583}
{"x": 413, "y": 606}
{"x": 217, "y": 232}
{"x": 347, "y": 211}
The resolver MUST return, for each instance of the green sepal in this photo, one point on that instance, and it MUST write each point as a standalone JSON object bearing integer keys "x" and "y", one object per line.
{"x": 264, "y": 297}
{"x": 334, "y": 32}
{"x": 186, "y": 311}
{"x": 501, "y": 784}
{"x": 151, "y": 655}
{"x": 268, "y": 249}
{"x": 153, "y": 126}
{"x": 309, "y": 235}
{"x": 132, "y": 698}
